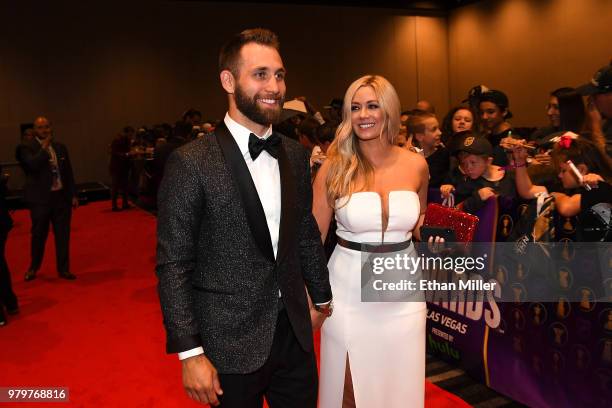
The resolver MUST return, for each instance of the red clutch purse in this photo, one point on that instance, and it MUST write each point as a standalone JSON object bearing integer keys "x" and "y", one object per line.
{"x": 462, "y": 223}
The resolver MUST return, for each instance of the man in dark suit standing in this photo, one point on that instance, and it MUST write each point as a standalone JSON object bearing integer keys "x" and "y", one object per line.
{"x": 237, "y": 243}
{"x": 50, "y": 194}
{"x": 8, "y": 298}
{"x": 119, "y": 167}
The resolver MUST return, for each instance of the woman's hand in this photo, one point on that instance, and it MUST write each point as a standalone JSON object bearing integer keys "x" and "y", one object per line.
{"x": 446, "y": 190}
{"x": 435, "y": 245}
{"x": 592, "y": 180}
{"x": 508, "y": 142}
{"x": 543, "y": 159}
{"x": 519, "y": 154}
{"x": 485, "y": 193}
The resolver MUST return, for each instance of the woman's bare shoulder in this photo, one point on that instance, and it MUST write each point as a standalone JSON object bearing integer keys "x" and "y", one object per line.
{"x": 411, "y": 159}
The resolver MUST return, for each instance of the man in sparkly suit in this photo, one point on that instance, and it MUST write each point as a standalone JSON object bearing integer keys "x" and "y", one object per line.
{"x": 237, "y": 243}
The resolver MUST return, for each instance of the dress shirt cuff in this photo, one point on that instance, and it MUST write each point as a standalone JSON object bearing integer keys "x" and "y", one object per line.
{"x": 190, "y": 353}
{"x": 324, "y": 303}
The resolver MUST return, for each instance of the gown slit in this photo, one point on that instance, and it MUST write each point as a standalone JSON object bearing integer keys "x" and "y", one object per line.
{"x": 374, "y": 349}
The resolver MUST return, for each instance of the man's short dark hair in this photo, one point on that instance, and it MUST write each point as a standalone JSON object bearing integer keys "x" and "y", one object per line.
{"x": 416, "y": 121}
{"x": 25, "y": 126}
{"x": 190, "y": 113}
{"x": 308, "y": 127}
{"x": 182, "y": 129}
{"x": 326, "y": 132}
{"x": 229, "y": 57}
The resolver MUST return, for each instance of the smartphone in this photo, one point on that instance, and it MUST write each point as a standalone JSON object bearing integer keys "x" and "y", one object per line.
{"x": 577, "y": 174}
{"x": 447, "y": 233}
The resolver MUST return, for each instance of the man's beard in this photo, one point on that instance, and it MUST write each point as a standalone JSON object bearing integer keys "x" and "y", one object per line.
{"x": 249, "y": 108}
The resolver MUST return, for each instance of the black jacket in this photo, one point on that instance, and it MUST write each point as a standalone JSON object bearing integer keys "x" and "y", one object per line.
{"x": 218, "y": 279}
{"x": 6, "y": 222}
{"x": 34, "y": 161}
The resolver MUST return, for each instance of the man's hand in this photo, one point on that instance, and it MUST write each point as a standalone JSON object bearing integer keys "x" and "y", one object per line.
{"x": 46, "y": 142}
{"x": 316, "y": 318}
{"x": 200, "y": 380}
{"x": 75, "y": 203}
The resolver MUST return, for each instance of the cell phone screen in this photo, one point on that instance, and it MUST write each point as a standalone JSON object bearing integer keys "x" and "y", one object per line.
{"x": 447, "y": 233}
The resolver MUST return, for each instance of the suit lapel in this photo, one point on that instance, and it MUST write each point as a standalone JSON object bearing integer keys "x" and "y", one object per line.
{"x": 251, "y": 203}
{"x": 288, "y": 205}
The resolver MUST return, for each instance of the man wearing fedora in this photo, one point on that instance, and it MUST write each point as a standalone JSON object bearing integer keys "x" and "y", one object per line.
{"x": 599, "y": 91}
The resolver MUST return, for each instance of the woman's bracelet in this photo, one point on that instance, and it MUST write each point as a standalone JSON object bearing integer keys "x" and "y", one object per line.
{"x": 513, "y": 166}
{"x": 516, "y": 166}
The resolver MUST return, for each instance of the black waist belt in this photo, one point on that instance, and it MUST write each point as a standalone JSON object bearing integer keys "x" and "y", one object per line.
{"x": 358, "y": 246}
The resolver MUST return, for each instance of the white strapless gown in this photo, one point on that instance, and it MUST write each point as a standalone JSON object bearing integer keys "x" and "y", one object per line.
{"x": 385, "y": 342}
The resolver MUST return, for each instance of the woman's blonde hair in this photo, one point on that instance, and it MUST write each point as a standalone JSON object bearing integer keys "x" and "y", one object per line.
{"x": 346, "y": 160}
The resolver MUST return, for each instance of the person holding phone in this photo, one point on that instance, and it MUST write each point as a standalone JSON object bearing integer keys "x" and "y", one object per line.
{"x": 586, "y": 175}
{"x": 50, "y": 193}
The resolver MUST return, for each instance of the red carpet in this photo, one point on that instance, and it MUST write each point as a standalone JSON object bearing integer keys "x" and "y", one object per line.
{"x": 101, "y": 335}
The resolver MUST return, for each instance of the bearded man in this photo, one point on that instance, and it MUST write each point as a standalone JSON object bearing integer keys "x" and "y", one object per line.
{"x": 237, "y": 242}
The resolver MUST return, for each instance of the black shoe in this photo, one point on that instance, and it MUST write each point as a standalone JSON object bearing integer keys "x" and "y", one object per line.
{"x": 30, "y": 275}
{"x": 2, "y": 318}
{"x": 127, "y": 207}
{"x": 116, "y": 209}
{"x": 67, "y": 275}
{"x": 12, "y": 310}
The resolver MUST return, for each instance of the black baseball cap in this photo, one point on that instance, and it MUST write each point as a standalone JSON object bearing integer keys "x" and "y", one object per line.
{"x": 600, "y": 83}
{"x": 335, "y": 103}
{"x": 477, "y": 145}
{"x": 474, "y": 94}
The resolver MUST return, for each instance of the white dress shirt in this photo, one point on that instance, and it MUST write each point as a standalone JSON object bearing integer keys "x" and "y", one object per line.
{"x": 57, "y": 177}
{"x": 266, "y": 176}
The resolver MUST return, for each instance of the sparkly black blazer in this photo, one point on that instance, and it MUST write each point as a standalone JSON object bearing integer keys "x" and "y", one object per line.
{"x": 218, "y": 278}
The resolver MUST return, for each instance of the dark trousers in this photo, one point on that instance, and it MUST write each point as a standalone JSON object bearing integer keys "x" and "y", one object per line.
{"x": 120, "y": 181}
{"x": 287, "y": 379}
{"x": 7, "y": 296}
{"x": 58, "y": 213}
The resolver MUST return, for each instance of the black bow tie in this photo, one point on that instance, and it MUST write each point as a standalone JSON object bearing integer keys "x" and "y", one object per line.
{"x": 270, "y": 145}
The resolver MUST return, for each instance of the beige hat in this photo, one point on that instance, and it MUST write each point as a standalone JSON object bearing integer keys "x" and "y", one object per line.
{"x": 295, "y": 105}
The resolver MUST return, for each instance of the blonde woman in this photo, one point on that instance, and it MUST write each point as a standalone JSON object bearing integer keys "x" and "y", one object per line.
{"x": 372, "y": 353}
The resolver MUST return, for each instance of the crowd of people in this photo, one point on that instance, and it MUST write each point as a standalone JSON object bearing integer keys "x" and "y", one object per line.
{"x": 138, "y": 156}
{"x": 469, "y": 151}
